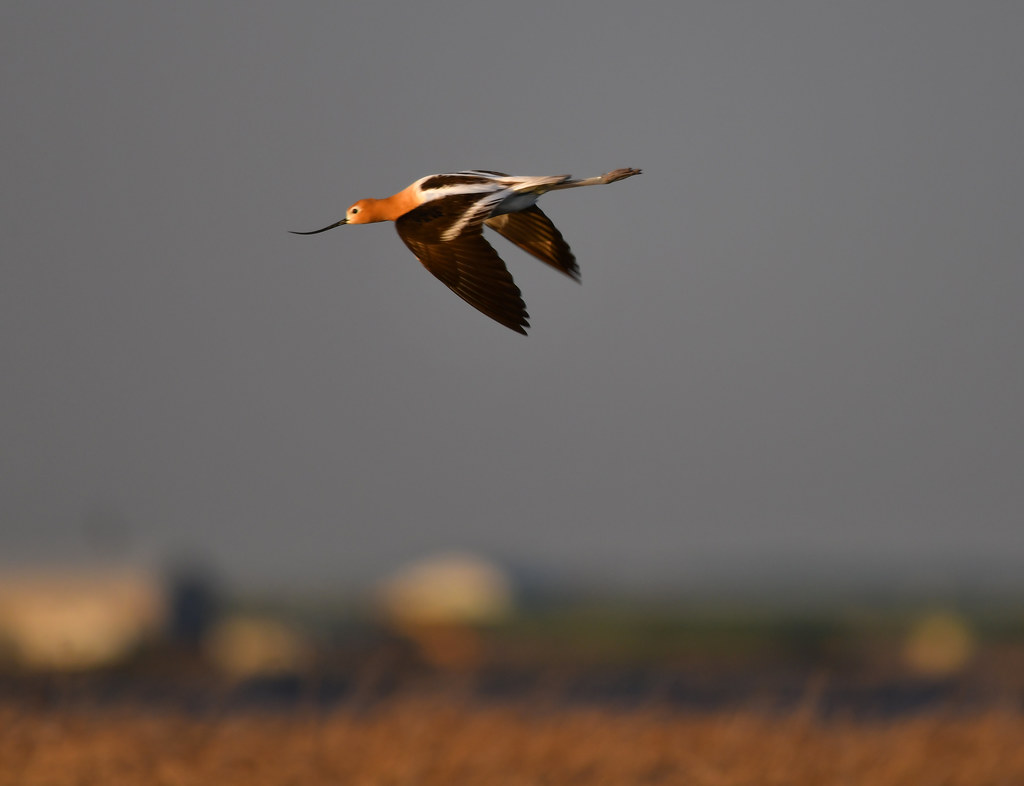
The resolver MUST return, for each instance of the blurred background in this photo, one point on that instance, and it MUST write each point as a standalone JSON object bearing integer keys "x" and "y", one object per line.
{"x": 783, "y": 410}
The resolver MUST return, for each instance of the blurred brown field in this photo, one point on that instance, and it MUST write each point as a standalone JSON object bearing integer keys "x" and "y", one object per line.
{"x": 441, "y": 740}
{"x": 594, "y": 692}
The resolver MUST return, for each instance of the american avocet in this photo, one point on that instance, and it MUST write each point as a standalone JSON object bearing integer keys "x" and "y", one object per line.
{"x": 441, "y": 219}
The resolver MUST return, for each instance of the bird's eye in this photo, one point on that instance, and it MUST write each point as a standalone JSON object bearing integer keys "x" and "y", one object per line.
{"x": 354, "y": 210}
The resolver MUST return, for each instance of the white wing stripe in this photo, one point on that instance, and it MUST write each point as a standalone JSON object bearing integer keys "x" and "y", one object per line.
{"x": 475, "y": 214}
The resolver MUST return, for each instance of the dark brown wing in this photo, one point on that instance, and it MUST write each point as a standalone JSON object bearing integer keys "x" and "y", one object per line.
{"x": 467, "y": 265}
{"x": 533, "y": 232}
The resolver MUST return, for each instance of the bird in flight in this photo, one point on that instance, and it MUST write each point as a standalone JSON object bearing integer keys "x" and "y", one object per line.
{"x": 441, "y": 219}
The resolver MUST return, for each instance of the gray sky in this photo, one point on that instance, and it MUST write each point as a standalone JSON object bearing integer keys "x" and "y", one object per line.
{"x": 797, "y": 347}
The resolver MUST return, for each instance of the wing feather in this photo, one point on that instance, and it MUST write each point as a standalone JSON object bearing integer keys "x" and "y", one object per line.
{"x": 466, "y": 264}
{"x": 532, "y": 231}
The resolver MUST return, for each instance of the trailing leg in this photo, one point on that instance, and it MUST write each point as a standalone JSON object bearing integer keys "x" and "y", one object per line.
{"x": 600, "y": 180}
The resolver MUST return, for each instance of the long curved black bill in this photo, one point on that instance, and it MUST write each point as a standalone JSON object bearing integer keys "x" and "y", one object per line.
{"x": 318, "y": 231}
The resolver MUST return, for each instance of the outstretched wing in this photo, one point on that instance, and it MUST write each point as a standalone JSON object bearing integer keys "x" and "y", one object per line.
{"x": 466, "y": 264}
{"x": 532, "y": 231}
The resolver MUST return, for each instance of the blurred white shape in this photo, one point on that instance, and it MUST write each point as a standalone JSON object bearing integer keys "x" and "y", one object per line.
{"x": 455, "y": 588}
{"x": 250, "y": 646}
{"x": 939, "y": 644}
{"x": 73, "y": 620}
